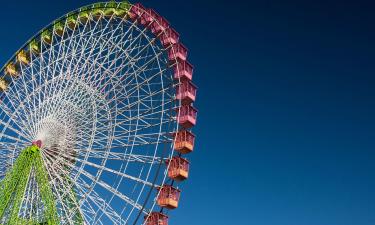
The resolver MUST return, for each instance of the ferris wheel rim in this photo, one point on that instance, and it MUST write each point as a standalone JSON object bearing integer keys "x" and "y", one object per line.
{"x": 159, "y": 163}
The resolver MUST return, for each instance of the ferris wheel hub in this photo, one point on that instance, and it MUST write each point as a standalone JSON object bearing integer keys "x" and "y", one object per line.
{"x": 52, "y": 133}
{"x": 37, "y": 143}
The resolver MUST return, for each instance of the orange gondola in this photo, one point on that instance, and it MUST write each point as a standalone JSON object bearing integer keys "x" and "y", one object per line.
{"x": 178, "y": 169}
{"x": 168, "y": 197}
{"x": 156, "y": 218}
{"x": 184, "y": 141}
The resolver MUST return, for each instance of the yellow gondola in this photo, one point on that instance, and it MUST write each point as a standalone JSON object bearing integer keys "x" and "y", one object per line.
{"x": 3, "y": 84}
{"x": 23, "y": 57}
{"x": 11, "y": 70}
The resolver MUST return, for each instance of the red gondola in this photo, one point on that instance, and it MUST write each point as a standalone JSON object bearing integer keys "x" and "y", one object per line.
{"x": 178, "y": 169}
{"x": 184, "y": 142}
{"x": 168, "y": 197}
{"x": 156, "y": 218}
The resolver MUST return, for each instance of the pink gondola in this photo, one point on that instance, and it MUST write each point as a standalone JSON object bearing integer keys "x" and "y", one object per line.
{"x": 187, "y": 116}
{"x": 169, "y": 37}
{"x": 186, "y": 92}
{"x": 136, "y": 11}
{"x": 183, "y": 70}
{"x": 149, "y": 17}
{"x": 177, "y": 52}
{"x": 146, "y": 18}
{"x": 159, "y": 25}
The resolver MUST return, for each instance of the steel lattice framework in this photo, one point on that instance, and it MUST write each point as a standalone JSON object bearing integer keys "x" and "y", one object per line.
{"x": 98, "y": 93}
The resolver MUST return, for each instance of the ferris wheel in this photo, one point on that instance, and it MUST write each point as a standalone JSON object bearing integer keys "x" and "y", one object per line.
{"x": 96, "y": 116}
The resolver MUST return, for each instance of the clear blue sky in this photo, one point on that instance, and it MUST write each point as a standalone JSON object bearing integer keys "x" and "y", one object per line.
{"x": 287, "y": 102}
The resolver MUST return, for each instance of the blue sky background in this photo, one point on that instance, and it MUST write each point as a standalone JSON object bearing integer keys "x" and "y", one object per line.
{"x": 286, "y": 124}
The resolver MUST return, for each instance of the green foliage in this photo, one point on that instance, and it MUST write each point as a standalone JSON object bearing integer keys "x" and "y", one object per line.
{"x": 71, "y": 201}
{"x": 50, "y": 210}
{"x": 9, "y": 183}
{"x": 23, "y": 177}
{"x": 13, "y": 186}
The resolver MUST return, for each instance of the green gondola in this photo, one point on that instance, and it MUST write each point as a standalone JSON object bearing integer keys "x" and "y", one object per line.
{"x": 84, "y": 15}
{"x": 110, "y": 9}
{"x": 34, "y": 46}
{"x": 71, "y": 21}
{"x": 58, "y": 28}
{"x": 98, "y": 10}
{"x": 46, "y": 37}
{"x": 122, "y": 9}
